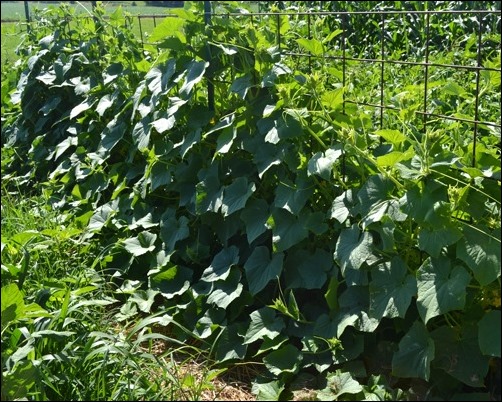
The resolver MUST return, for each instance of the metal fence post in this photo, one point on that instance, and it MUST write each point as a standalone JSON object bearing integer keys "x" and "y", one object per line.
{"x": 27, "y": 13}
{"x": 210, "y": 86}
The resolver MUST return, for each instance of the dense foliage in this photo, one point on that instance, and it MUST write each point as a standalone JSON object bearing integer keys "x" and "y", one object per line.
{"x": 279, "y": 223}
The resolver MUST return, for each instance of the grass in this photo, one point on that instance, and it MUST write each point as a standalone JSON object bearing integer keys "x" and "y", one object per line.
{"x": 15, "y": 11}
{"x": 63, "y": 341}
{"x": 145, "y": 20}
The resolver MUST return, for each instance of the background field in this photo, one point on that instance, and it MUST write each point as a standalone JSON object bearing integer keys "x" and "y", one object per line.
{"x": 14, "y": 19}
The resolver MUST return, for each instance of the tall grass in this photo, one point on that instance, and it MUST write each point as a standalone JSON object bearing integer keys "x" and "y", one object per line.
{"x": 61, "y": 339}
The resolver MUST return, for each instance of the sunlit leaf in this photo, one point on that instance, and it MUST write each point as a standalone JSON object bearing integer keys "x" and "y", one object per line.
{"x": 440, "y": 288}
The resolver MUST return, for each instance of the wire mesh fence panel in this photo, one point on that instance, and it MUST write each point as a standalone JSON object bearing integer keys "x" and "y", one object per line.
{"x": 426, "y": 67}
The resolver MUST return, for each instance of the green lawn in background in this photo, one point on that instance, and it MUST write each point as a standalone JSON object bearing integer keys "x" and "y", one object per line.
{"x": 15, "y": 10}
{"x": 14, "y": 20}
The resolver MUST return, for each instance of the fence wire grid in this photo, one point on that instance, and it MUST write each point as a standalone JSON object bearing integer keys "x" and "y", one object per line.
{"x": 387, "y": 29}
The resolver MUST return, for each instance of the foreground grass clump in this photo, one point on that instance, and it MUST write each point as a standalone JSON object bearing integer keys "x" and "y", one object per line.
{"x": 61, "y": 336}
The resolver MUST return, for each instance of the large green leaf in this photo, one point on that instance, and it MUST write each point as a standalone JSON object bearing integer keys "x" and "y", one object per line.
{"x": 480, "y": 250}
{"x": 375, "y": 190}
{"x": 221, "y": 264}
{"x": 395, "y": 137}
{"x": 391, "y": 289}
{"x": 261, "y": 269}
{"x": 458, "y": 354}
{"x": 277, "y": 129}
{"x": 157, "y": 79}
{"x": 255, "y": 217}
{"x": 311, "y": 45}
{"x": 141, "y": 244}
{"x": 415, "y": 354}
{"x": 170, "y": 26}
{"x": 286, "y": 359}
{"x": 489, "y": 333}
{"x": 264, "y": 322}
{"x": 171, "y": 281}
{"x": 353, "y": 311}
{"x": 195, "y": 72}
{"x": 440, "y": 288}
{"x": 322, "y": 163}
{"x": 338, "y": 383}
{"x": 432, "y": 241}
{"x": 307, "y": 270}
{"x": 342, "y": 205}
{"x": 236, "y": 195}
{"x": 13, "y": 306}
{"x": 111, "y": 136}
{"x": 226, "y": 291}
{"x": 353, "y": 248}
{"x": 419, "y": 204}
{"x": 144, "y": 299}
{"x": 241, "y": 85}
{"x": 173, "y": 230}
{"x": 230, "y": 344}
{"x": 265, "y": 155}
{"x": 209, "y": 195}
{"x": 268, "y": 391}
{"x": 293, "y": 197}
{"x": 288, "y": 230}
{"x": 333, "y": 99}
{"x": 141, "y": 133}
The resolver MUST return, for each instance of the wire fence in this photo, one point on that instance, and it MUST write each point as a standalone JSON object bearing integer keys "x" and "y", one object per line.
{"x": 420, "y": 35}
{"x": 419, "y": 56}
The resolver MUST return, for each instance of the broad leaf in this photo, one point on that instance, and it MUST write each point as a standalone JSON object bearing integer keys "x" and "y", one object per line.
{"x": 432, "y": 241}
{"x": 255, "y": 217}
{"x": 230, "y": 345}
{"x": 144, "y": 299}
{"x": 458, "y": 354}
{"x": 164, "y": 124}
{"x": 284, "y": 360}
{"x": 268, "y": 391}
{"x": 141, "y": 244}
{"x": 141, "y": 133}
{"x": 221, "y": 264}
{"x": 333, "y": 99}
{"x": 195, "y": 72}
{"x": 489, "y": 333}
{"x": 440, "y": 288}
{"x": 261, "y": 269}
{"x": 340, "y": 210}
{"x": 173, "y": 230}
{"x": 171, "y": 281}
{"x": 395, "y": 137}
{"x": 236, "y": 195}
{"x": 264, "y": 322}
{"x": 288, "y": 230}
{"x": 353, "y": 248}
{"x": 311, "y": 45}
{"x": 322, "y": 163}
{"x": 391, "y": 289}
{"x": 293, "y": 197}
{"x": 226, "y": 291}
{"x": 480, "y": 250}
{"x": 13, "y": 306}
{"x": 338, "y": 383}
{"x": 157, "y": 79}
{"x": 353, "y": 311}
{"x": 241, "y": 86}
{"x": 306, "y": 270}
{"x": 375, "y": 190}
{"x": 415, "y": 354}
